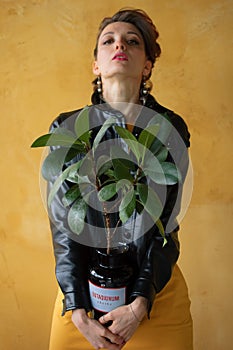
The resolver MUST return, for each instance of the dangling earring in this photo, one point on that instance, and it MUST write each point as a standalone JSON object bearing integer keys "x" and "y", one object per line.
{"x": 146, "y": 87}
{"x": 99, "y": 85}
{"x": 97, "y": 91}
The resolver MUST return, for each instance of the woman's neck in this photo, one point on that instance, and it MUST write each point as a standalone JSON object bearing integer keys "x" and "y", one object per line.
{"x": 124, "y": 96}
{"x": 115, "y": 90}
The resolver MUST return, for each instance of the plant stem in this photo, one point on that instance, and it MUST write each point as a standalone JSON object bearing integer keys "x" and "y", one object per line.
{"x": 107, "y": 224}
{"x": 118, "y": 222}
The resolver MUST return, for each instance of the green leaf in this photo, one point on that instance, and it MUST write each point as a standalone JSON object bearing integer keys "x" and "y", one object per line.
{"x": 54, "y": 139}
{"x": 87, "y": 167}
{"x": 104, "y": 163}
{"x": 110, "y": 173}
{"x": 150, "y": 201}
{"x": 165, "y": 126}
{"x": 55, "y": 161}
{"x": 84, "y": 179}
{"x": 159, "y": 224}
{"x": 71, "y": 195}
{"x": 63, "y": 131}
{"x": 162, "y": 154}
{"x": 156, "y": 147}
{"x": 117, "y": 152}
{"x": 127, "y": 206}
{"x": 53, "y": 164}
{"x": 171, "y": 172}
{"x": 76, "y": 216}
{"x": 130, "y": 140}
{"x": 73, "y": 173}
{"x": 122, "y": 163}
{"x": 142, "y": 190}
{"x": 85, "y": 185}
{"x": 154, "y": 170}
{"x": 107, "y": 192}
{"x": 87, "y": 188}
{"x": 60, "y": 179}
{"x": 109, "y": 122}
{"x": 120, "y": 157}
{"x": 139, "y": 206}
{"x": 81, "y": 125}
{"x": 121, "y": 171}
{"x": 148, "y": 135}
{"x": 85, "y": 139}
{"x": 164, "y": 173}
{"x": 156, "y": 176}
{"x": 124, "y": 185}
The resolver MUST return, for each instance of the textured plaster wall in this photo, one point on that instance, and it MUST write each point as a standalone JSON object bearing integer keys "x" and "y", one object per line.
{"x": 45, "y": 67}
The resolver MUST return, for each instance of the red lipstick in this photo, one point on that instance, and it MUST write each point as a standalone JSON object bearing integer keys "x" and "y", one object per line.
{"x": 120, "y": 56}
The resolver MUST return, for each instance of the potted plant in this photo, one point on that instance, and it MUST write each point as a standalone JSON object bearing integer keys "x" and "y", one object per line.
{"x": 119, "y": 179}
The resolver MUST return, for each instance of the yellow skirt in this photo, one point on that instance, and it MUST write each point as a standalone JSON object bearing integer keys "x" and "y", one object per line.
{"x": 169, "y": 328}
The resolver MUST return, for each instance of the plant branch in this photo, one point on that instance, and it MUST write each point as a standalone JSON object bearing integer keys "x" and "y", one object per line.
{"x": 107, "y": 224}
{"x": 117, "y": 224}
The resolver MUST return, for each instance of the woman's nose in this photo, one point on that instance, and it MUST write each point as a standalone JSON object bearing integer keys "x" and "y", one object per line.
{"x": 120, "y": 45}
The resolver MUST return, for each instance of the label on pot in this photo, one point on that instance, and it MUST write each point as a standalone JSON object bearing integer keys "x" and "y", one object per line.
{"x": 106, "y": 299}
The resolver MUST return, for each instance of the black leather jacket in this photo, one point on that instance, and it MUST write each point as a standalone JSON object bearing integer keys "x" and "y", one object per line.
{"x": 152, "y": 262}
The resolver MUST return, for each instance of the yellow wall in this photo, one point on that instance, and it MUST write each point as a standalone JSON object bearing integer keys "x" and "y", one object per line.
{"x": 45, "y": 65}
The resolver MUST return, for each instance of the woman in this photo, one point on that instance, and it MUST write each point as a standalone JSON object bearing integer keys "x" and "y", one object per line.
{"x": 156, "y": 315}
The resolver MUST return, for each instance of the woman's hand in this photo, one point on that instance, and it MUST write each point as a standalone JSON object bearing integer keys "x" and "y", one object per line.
{"x": 98, "y": 335}
{"x": 126, "y": 319}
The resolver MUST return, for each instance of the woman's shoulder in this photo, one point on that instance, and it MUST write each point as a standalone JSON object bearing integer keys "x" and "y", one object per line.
{"x": 177, "y": 121}
{"x": 65, "y": 119}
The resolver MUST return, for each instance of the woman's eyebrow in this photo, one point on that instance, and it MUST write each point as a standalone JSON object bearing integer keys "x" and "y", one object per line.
{"x": 130, "y": 32}
{"x": 108, "y": 33}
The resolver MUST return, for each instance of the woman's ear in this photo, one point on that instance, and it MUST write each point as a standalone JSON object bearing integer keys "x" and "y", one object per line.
{"x": 147, "y": 68}
{"x": 95, "y": 68}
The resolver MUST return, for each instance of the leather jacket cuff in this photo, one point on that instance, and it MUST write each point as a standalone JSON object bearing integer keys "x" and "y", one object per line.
{"x": 144, "y": 288}
{"x": 75, "y": 300}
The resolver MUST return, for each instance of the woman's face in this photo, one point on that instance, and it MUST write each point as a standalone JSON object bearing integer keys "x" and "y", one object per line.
{"x": 121, "y": 52}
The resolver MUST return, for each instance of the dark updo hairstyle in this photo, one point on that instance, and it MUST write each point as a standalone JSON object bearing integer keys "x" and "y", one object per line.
{"x": 143, "y": 23}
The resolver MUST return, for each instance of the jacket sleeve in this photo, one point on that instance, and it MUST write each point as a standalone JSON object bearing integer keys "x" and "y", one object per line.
{"x": 156, "y": 268}
{"x": 157, "y": 262}
{"x": 70, "y": 256}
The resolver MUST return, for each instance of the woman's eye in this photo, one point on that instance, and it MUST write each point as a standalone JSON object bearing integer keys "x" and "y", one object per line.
{"x": 108, "y": 41}
{"x": 133, "y": 42}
